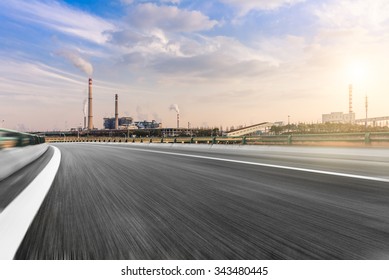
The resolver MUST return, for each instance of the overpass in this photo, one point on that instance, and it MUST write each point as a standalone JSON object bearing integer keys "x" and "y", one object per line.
{"x": 379, "y": 121}
{"x": 251, "y": 130}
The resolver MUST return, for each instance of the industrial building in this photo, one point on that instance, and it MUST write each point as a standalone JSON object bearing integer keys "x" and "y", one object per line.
{"x": 148, "y": 125}
{"x": 338, "y": 117}
{"x": 127, "y": 122}
{"x": 378, "y": 121}
{"x": 109, "y": 123}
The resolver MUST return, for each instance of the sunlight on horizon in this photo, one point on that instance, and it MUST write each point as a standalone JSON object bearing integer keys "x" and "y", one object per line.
{"x": 358, "y": 73}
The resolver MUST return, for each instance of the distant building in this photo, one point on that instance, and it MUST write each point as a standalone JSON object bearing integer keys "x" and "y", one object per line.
{"x": 279, "y": 123}
{"x": 338, "y": 117}
{"x": 127, "y": 122}
{"x": 377, "y": 121}
{"x": 109, "y": 123}
{"x": 148, "y": 125}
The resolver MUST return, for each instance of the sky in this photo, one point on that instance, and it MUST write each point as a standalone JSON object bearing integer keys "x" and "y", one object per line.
{"x": 223, "y": 62}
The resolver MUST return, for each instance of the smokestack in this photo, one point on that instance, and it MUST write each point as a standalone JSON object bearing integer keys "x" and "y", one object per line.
{"x": 116, "y": 112}
{"x": 350, "y": 99}
{"x": 90, "y": 112}
{"x": 175, "y": 108}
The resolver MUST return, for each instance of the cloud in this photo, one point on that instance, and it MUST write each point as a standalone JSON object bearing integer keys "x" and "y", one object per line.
{"x": 35, "y": 79}
{"x": 248, "y": 5}
{"x": 372, "y": 15}
{"x": 175, "y": 2}
{"x": 216, "y": 58}
{"x": 150, "y": 16}
{"x": 129, "y": 2}
{"x": 196, "y": 57}
{"x": 60, "y": 17}
{"x": 154, "y": 41}
{"x": 160, "y": 30}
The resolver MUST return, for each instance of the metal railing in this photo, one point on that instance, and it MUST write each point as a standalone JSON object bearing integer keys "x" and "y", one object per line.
{"x": 291, "y": 139}
{"x": 11, "y": 138}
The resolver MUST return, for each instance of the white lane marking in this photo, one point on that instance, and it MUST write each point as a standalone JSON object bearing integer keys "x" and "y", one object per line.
{"x": 355, "y": 176}
{"x": 18, "y": 215}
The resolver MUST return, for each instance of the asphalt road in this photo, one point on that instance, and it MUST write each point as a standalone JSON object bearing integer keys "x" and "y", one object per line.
{"x": 13, "y": 185}
{"x": 127, "y": 202}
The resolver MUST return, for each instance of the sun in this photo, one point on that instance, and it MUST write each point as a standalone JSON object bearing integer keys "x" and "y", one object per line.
{"x": 357, "y": 72}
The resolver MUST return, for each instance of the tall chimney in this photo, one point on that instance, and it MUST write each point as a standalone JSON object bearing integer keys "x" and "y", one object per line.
{"x": 178, "y": 120}
{"x": 116, "y": 112}
{"x": 90, "y": 113}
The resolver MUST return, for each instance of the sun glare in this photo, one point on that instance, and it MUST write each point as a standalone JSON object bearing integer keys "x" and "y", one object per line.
{"x": 357, "y": 73}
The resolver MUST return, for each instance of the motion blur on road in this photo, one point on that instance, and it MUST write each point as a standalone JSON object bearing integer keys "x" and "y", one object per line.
{"x": 144, "y": 201}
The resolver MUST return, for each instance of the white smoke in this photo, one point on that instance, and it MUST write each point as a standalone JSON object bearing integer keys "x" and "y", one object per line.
{"x": 78, "y": 61}
{"x": 85, "y": 106}
{"x": 175, "y": 108}
{"x": 140, "y": 115}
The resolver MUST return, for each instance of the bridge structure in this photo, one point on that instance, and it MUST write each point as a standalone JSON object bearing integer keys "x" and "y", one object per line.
{"x": 378, "y": 121}
{"x": 255, "y": 129}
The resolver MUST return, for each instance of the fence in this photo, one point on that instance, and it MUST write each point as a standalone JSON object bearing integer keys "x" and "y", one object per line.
{"x": 12, "y": 138}
{"x": 291, "y": 139}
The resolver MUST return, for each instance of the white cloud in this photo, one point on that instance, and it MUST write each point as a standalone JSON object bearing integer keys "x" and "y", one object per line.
{"x": 60, "y": 17}
{"x": 175, "y": 2}
{"x": 220, "y": 58}
{"x": 169, "y": 18}
{"x": 129, "y": 2}
{"x": 372, "y": 15}
{"x": 154, "y": 30}
{"x": 245, "y": 6}
{"x": 153, "y": 42}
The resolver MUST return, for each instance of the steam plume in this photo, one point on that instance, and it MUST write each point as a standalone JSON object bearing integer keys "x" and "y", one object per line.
{"x": 85, "y": 104}
{"x": 78, "y": 62}
{"x": 175, "y": 108}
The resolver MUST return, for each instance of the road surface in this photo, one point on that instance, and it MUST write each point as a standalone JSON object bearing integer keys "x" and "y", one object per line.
{"x": 134, "y": 201}
{"x": 13, "y": 185}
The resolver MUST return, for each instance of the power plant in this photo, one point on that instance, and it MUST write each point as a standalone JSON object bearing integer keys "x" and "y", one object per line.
{"x": 117, "y": 123}
{"x": 90, "y": 110}
{"x": 340, "y": 117}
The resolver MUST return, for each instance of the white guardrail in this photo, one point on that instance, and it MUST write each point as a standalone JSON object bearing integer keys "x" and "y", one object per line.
{"x": 13, "y": 159}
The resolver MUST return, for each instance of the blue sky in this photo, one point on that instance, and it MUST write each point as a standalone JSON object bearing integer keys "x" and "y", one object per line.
{"x": 225, "y": 62}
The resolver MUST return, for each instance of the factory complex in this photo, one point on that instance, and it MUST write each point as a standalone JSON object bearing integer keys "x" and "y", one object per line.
{"x": 126, "y": 126}
{"x": 340, "y": 117}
